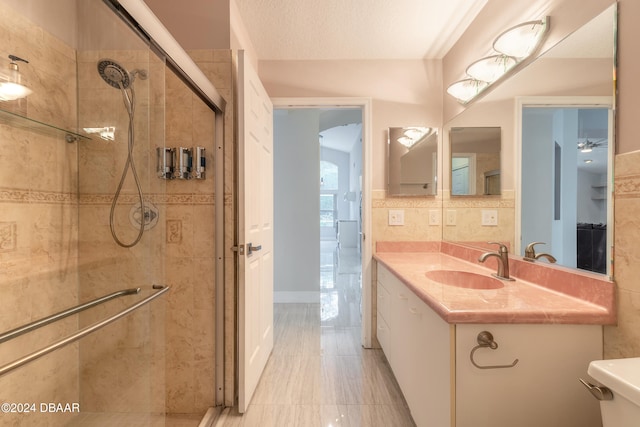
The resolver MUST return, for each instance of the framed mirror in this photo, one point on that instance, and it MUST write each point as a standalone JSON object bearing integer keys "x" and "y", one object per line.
{"x": 412, "y": 161}
{"x": 475, "y": 161}
{"x": 577, "y": 67}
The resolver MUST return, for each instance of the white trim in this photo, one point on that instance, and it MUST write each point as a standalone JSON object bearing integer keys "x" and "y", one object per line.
{"x": 366, "y": 105}
{"x": 560, "y": 101}
{"x": 296, "y": 297}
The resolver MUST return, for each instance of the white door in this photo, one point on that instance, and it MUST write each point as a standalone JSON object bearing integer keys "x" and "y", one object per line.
{"x": 255, "y": 210}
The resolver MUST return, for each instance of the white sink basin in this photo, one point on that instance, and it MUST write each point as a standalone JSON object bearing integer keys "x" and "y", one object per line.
{"x": 620, "y": 375}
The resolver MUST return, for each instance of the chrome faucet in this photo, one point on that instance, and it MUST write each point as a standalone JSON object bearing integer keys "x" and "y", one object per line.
{"x": 530, "y": 253}
{"x": 503, "y": 261}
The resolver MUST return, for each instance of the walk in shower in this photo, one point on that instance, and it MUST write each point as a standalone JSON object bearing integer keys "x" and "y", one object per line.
{"x": 107, "y": 261}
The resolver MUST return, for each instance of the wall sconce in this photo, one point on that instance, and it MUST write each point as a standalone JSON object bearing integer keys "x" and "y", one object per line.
{"x": 11, "y": 87}
{"x": 512, "y": 47}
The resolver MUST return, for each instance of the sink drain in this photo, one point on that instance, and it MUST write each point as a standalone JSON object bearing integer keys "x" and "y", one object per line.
{"x": 149, "y": 216}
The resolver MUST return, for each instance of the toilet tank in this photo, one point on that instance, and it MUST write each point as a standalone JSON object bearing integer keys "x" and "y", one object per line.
{"x": 622, "y": 377}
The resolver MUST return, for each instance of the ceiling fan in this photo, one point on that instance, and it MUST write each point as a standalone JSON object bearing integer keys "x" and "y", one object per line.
{"x": 588, "y": 145}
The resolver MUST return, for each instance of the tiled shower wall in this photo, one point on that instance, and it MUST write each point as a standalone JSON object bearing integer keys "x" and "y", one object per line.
{"x": 56, "y": 248}
{"x": 38, "y": 220}
{"x": 122, "y": 367}
{"x": 623, "y": 340}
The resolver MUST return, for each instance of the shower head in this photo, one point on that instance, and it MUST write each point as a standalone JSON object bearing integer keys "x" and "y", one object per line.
{"x": 114, "y": 74}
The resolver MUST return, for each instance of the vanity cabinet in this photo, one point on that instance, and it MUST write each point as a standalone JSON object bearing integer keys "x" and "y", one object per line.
{"x": 430, "y": 359}
{"x": 541, "y": 390}
{"x": 416, "y": 342}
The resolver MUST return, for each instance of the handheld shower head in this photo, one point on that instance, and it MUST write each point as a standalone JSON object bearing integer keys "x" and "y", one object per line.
{"x": 114, "y": 74}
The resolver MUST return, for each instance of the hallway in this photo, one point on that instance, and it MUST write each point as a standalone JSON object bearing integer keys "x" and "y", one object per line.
{"x": 318, "y": 373}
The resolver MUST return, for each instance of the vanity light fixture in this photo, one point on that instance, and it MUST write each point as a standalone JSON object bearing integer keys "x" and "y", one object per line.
{"x": 522, "y": 40}
{"x": 467, "y": 89}
{"x": 11, "y": 87}
{"x": 412, "y": 135}
{"x": 512, "y": 47}
{"x": 491, "y": 68}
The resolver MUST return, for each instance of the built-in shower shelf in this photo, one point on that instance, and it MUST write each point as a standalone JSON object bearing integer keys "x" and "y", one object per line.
{"x": 17, "y": 120}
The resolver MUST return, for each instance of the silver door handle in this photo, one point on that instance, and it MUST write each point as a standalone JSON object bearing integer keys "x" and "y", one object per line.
{"x": 251, "y": 248}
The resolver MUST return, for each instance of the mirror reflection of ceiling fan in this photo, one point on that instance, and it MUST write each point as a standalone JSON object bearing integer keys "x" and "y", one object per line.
{"x": 588, "y": 145}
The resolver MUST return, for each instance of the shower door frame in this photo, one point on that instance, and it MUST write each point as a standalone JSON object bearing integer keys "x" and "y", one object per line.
{"x": 142, "y": 20}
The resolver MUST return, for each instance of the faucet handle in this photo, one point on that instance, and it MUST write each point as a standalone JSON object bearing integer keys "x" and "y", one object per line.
{"x": 502, "y": 247}
{"x": 529, "y": 251}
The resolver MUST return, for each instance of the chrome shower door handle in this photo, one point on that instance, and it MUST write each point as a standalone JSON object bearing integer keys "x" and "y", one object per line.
{"x": 251, "y": 248}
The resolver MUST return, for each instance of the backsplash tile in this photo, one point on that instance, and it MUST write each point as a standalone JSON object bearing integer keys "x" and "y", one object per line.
{"x": 624, "y": 340}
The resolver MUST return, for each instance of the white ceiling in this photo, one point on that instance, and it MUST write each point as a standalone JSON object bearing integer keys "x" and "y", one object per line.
{"x": 341, "y": 138}
{"x": 355, "y": 29}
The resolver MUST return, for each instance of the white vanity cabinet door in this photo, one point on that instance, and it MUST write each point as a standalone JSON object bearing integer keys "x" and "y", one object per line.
{"x": 383, "y": 329}
{"x": 429, "y": 357}
{"x": 541, "y": 390}
{"x": 418, "y": 348}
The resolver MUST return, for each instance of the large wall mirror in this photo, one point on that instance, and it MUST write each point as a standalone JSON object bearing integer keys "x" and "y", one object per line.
{"x": 412, "y": 161}
{"x": 551, "y": 113}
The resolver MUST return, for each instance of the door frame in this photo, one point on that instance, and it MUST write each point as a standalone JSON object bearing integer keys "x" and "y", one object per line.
{"x": 365, "y": 104}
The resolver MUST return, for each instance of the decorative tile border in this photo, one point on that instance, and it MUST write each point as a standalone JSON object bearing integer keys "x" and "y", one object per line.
{"x": 627, "y": 187}
{"x": 157, "y": 198}
{"x": 475, "y": 202}
{"x": 13, "y": 195}
{"x": 8, "y": 236}
{"x": 17, "y": 195}
{"x": 406, "y": 202}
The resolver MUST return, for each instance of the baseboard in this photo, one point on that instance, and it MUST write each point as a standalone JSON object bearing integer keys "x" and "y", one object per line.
{"x": 296, "y": 297}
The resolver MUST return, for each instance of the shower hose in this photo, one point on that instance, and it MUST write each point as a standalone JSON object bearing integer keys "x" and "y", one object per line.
{"x": 129, "y": 102}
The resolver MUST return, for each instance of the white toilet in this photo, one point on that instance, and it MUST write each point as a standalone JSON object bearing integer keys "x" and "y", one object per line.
{"x": 622, "y": 377}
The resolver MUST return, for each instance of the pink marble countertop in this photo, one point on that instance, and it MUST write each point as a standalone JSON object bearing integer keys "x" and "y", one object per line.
{"x": 518, "y": 301}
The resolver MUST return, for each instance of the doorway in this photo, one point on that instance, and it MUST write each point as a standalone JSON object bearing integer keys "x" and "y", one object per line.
{"x": 320, "y": 159}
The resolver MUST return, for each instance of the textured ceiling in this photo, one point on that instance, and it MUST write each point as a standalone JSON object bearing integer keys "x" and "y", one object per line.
{"x": 355, "y": 29}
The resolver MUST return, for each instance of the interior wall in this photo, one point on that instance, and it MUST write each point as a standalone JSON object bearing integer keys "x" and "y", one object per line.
{"x": 296, "y": 154}
{"x": 537, "y": 207}
{"x": 341, "y": 159}
{"x": 355, "y": 179}
{"x": 403, "y": 93}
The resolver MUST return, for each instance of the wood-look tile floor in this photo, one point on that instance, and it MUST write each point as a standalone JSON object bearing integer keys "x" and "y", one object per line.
{"x": 319, "y": 374}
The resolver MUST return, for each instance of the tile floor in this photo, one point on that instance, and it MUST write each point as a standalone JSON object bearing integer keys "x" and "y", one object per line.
{"x": 318, "y": 373}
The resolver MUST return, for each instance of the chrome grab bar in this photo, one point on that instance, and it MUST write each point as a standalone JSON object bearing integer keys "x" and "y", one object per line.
{"x": 78, "y": 335}
{"x": 65, "y": 313}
